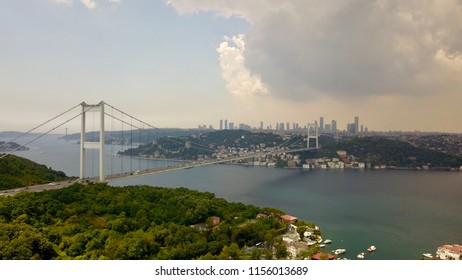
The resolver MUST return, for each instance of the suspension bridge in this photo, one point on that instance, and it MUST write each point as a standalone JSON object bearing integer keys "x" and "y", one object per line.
{"x": 123, "y": 135}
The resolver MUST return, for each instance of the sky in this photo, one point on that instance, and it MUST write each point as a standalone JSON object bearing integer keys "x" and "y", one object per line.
{"x": 397, "y": 65}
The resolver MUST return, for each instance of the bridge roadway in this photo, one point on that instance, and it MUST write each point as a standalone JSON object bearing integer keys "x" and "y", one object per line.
{"x": 137, "y": 173}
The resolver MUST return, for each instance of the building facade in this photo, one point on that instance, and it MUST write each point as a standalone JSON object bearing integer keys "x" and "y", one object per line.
{"x": 449, "y": 252}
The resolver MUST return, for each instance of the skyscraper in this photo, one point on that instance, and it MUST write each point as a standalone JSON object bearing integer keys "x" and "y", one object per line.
{"x": 321, "y": 123}
{"x": 261, "y": 125}
{"x": 334, "y": 125}
{"x": 221, "y": 124}
{"x": 356, "y": 124}
{"x": 226, "y": 124}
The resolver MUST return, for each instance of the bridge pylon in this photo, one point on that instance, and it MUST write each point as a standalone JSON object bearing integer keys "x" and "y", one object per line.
{"x": 312, "y": 133}
{"x": 84, "y": 144}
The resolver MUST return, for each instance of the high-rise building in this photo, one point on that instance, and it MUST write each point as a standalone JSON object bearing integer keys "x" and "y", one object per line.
{"x": 221, "y": 124}
{"x": 226, "y": 124}
{"x": 334, "y": 125}
{"x": 362, "y": 128}
{"x": 231, "y": 126}
{"x": 356, "y": 124}
{"x": 288, "y": 126}
{"x": 261, "y": 125}
{"x": 321, "y": 123}
{"x": 281, "y": 126}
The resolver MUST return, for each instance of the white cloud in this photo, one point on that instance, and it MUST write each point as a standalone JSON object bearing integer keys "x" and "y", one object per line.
{"x": 453, "y": 61}
{"x": 347, "y": 49}
{"x": 90, "y": 4}
{"x": 240, "y": 82}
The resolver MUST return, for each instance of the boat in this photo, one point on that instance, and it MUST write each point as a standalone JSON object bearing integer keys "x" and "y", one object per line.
{"x": 339, "y": 251}
{"x": 327, "y": 241}
{"x": 428, "y": 255}
{"x": 360, "y": 255}
{"x": 322, "y": 245}
{"x": 372, "y": 248}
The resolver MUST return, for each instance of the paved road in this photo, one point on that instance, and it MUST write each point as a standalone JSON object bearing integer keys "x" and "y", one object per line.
{"x": 39, "y": 188}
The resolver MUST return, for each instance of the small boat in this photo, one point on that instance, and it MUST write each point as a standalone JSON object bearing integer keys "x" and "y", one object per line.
{"x": 428, "y": 255}
{"x": 372, "y": 248}
{"x": 322, "y": 245}
{"x": 339, "y": 251}
{"x": 360, "y": 255}
{"x": 327, "y": 241}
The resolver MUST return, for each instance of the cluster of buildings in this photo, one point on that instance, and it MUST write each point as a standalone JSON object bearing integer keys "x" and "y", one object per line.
{"x": 446, "y": 143}
{"x": 258, "y": 160}
{"x": 294, "y": 244}
{"x": 324, "y": 127}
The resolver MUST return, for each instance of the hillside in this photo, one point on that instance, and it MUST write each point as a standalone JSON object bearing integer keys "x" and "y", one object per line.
{"x": 377, "y": 150}
{"x": 10, "y": 146}
{"x": 203, "y": 144}
{"x": 18, "y": 172}
{"x": 136, "y": 222}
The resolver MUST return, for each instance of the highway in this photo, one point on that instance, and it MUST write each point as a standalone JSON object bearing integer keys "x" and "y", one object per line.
{"x": 39, "y": 188}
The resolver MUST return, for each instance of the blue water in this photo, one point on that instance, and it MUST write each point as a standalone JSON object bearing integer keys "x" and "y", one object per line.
{"x": 402, "y": 213}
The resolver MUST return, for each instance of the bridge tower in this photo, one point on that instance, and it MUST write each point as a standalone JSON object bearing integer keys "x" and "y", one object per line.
{"x": 312, "y": 133}
{"x": 98, "y": 108}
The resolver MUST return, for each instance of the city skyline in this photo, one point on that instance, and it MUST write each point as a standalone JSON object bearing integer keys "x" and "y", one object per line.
{"x": 181, "y": 63}
{"x": 224, "y": 124}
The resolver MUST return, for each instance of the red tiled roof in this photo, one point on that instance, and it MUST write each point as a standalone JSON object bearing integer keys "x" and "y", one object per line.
{"x": 288, "y": 218}
{"x": 454, "y": 248}
{"x": 319, "y": 255}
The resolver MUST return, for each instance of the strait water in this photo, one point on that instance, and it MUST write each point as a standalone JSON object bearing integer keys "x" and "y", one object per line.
{"x": 402, "y": 213}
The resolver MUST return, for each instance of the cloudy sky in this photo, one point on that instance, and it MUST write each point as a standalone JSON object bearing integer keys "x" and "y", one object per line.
{"x": 179, "y": 63}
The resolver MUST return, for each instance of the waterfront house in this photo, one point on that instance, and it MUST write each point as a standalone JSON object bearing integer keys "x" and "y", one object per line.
{"x": 449, "y": 252}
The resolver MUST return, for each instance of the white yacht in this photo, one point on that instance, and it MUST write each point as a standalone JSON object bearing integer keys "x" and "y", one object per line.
{"x": 339, "y": 251}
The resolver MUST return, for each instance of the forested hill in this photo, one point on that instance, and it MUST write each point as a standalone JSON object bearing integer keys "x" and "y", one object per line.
{"x": 136, "y": 222}
{"x": 18, "y": 172}
{"x": 377, "y": 150}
